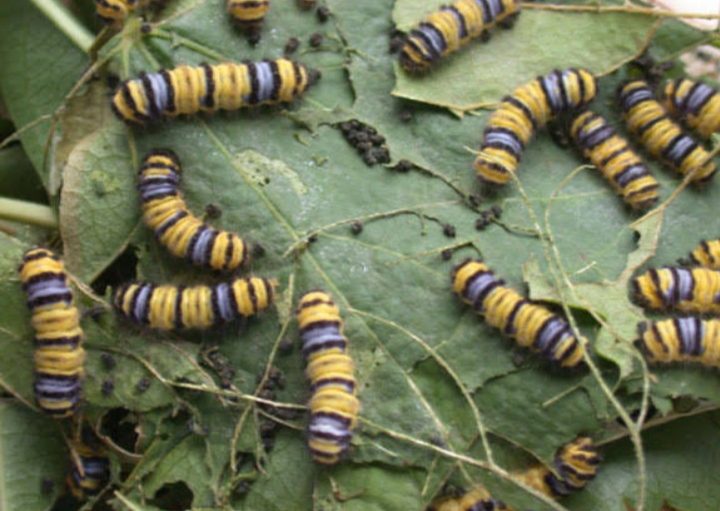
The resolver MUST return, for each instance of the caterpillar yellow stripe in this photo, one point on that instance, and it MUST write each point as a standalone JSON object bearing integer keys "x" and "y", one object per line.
{"x": 208, "y": 88}
{"x": 477, "y": 499}
{"x": 575, "y": 465}
{"x": 707, "y": 254}
{"x": 115, "y": 12}
{"x": 166, "y": 307}
{"x": 695, "y": 103}
{"x": 532, "y": 325}
{"x": 59, "y": 355}
{"x": 663, "y": 139}
{"x": 175, "y": 227}
{"x": 334, "y": 406}
{"x": 452, "y": 27}
{"x": 694, "y": 290}
{"x": 531, "y": 106}
{"x": 683, "y": 339}
{"x": 613, "y": 157}
{"x": 89, "y": 468}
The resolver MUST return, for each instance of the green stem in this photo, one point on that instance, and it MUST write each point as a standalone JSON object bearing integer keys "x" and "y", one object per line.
{"x": 28, "y": 213}
{"x": 66, "y": 23}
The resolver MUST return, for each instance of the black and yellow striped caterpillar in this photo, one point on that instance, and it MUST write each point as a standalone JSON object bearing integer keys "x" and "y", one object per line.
{"x": 684, "y": 339}
{"x": 248, "y": 13}
{"x": 648, "y": 121}
{"x": 530, "y": 107}
{"x": 452, "y": 27}
{"x": 115, "y": 12}
{"x": 694, "y": 290}
{"x": 614, "y": 158}
{"x": 707, "y": 254}
{"x": 532, "y": 325}
{"x": 208, "y": 88}
{"x": 333, "y": 406}
{"x": 695, "y": 103}
{"x": 477, "y": 499}
{"x": 181, "y": 232}
{"x": 575, "y": 465}
{"x": 167, "y": 307}
{"x": 90, "y": 469}
{"x": 59, "y": 355}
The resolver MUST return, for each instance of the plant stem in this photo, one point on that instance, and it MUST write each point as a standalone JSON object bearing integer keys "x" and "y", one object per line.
{"x": 28, "y": 213}
{"x": 66, "y": 23}
{"x": 648, "y": 11}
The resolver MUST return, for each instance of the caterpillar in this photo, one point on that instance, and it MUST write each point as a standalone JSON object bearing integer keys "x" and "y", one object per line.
{"x": 695, "y": 290}
{"x": 575, "y": 465}
{"x": 530, "y": 107}
{"x": 167, "y": 307}
{"x": 90, "y": 469}
{"x": 477, "y": 499}
{"x": 333, "y": 406}
{"x": 59, "y": 355}
{"x": 697, "y": 104}
{"x": 452, "y": 27}
{"x": 684, "y": 339}
{"x": 614, "y": 158}
{"x": 532, "y": 325}
{"x": 662, "y": 137}
{"x": 181, "y": 232}
{"x": 707, "y": 254}
{"x": 208, "y": 88}
{"x": 248, "y": 13}
{"x": 115, "y": 12}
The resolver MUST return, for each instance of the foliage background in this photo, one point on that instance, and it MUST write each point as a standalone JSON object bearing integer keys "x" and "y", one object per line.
{"x": 445, "y": 399}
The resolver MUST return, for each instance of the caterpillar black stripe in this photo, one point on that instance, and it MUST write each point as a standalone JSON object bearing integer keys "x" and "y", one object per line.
{"x": 695, "y": 103}
{"x": 333, "y": 406}
{"x": 618, "y": 163}
{"x": 167, "y": 307}
{"x": 59, "y": 355}
{"x": 452, "y": 27}
{"x": 181, "y": 232}
{"x": 530, "y": 107}
{"x": 531, "y": 325}
{"x": 647, "y": 120}
{"x": 209, "y": 88}
{"x": 694, "y": 290}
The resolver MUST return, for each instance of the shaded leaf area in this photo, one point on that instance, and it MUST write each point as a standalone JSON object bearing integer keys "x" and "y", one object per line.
{"x": 32, "y": 458}
{"x": 40, "y": 66}
{"x": 431, "y": 375}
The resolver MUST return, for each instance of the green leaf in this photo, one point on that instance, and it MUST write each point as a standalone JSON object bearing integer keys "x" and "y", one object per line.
{"x": 32, "y": 456}
{"x": 40, "y": 66}
{"x": 478, "y": 75}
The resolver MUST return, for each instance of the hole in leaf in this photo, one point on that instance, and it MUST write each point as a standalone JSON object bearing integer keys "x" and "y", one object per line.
{"x": 121, "y": 270}
{"x": 119, "y": 424}
{"x": 173, "y": 497}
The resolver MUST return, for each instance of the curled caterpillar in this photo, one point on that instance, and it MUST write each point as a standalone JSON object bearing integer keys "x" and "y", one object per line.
{"x": 695, "y": 290}
{"x": 686, "y": 339}
{"x": 477, "y": 499}
{"x": 249, "y": 15}
{"x": 575, "y": 465}
{"x": 167, "y": 307}
{"x": 177, "y": 229}
{"x": 530, "y": 107}
{"x": 697, "y": 104}
{"x": 59, "y": 355}
{"x": 707, "y": 254}
{"x": 648, "y": 121}
{"x": 333, "y": 406}
{"x": 533, "y": 326}
{"x": 208, "y": 88}
{"x": 90, "y": 469}
{"x": 452, "y": 27}
{"x": 614, "y": 158}
{"x": 115, "y": 12}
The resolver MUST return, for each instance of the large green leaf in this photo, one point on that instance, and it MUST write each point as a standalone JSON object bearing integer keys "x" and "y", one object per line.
{"x": 432, "y": 378}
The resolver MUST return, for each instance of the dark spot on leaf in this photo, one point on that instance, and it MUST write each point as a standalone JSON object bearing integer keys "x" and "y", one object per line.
{"x": 258, "y": 250}
{"x": 356, "y": 227}
{"x": 213, "y": 211}
{"x": 46, "y": 486}
{"x": 108, "y": 361}
{"x": 446, "y": 254}
{"x": 107, "y": 388}
{"x": 449, "y": 230}
{"x": 405, "y": 116}
{"x": 291, "y": 45}
{"x": 142, "y": 385}
{"x": 322, "y": 13}
{"x": 286, "y": 346}
{"x": 316, "y": 39}
{"x": 312, "y": 238}
{"x": 146, "y": 28}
